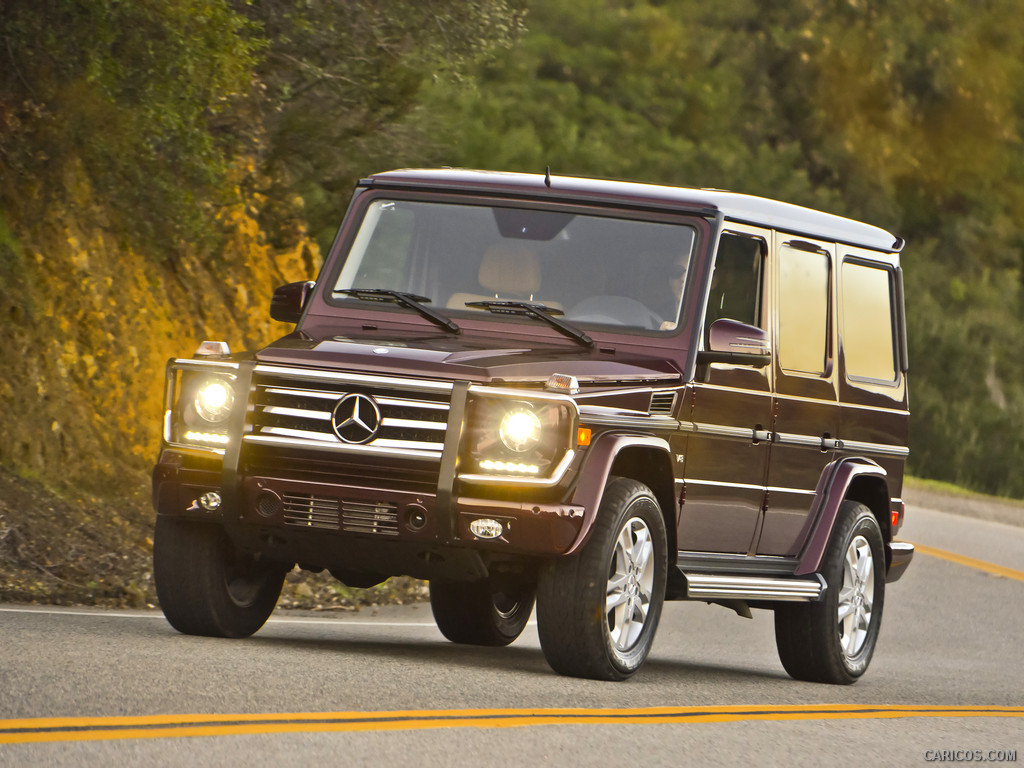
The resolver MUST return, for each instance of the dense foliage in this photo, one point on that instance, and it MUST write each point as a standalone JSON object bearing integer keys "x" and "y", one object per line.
{"x": 908, "y": 115}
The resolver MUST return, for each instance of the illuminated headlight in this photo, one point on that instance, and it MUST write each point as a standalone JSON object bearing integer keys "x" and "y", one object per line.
{"x": 510, "y": 438}
{"x": 200, "y": 404}
{"x": 213, "y": 401}
{"x": 520, "y": 430}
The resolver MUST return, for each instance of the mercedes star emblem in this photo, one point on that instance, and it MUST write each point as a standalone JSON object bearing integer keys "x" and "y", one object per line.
{"x": 356, "y": 419}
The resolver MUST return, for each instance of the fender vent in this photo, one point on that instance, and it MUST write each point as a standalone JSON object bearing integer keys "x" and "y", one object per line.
{"x": 662, "y": 403}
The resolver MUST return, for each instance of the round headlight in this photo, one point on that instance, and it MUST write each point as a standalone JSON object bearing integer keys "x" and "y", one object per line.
{"x": 214, "y": 400}
{"x": 520, "y": 430}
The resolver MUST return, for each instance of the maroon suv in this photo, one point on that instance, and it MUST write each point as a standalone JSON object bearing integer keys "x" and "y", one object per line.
{"x": 592, "y": 395}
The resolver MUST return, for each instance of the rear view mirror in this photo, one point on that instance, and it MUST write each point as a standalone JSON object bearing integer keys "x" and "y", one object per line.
{"x": 289, "y": 301}
{"x": 730, "y": 341}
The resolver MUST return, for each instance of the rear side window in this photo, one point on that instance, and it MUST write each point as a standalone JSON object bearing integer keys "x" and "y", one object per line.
{"x": 868, "y": 321}
{"x": 803, "y": 310}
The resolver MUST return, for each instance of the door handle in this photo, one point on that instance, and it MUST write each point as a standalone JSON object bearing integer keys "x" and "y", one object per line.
{"x": 830, "y": 444}
{"x": 763, "y": 436}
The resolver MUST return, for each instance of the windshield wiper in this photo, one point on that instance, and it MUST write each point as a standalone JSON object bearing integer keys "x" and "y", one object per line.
{"x": 410, "y": 300}
{"x": 539, "y": 311}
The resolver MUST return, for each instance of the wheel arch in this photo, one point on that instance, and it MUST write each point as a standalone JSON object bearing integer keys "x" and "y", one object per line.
{"x": 848, "y": 479}
{"x": 872, "y": 491}
{"x": 644, "y": 458}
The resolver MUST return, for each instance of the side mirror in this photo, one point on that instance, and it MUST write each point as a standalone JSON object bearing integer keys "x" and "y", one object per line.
{"x": 730, "y": 341}
{"x": 289, "y": 301}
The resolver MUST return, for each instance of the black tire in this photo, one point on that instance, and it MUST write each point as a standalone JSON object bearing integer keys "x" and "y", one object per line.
{"x": 579, "y": 635}
{"x": 490, "y": 612}
{"x": 815, "y": 641}
{"x": 205, "y": 586}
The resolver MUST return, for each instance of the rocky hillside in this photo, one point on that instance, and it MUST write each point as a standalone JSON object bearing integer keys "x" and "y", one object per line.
{"x": 89, "y": 325}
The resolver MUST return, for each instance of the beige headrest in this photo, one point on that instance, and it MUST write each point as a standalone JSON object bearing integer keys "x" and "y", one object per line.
{"x": 510, "y": 268}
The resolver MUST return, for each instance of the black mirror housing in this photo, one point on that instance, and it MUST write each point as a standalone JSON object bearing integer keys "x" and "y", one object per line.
{"x": 730, "y": 341}
{"x": 289, "y": 301}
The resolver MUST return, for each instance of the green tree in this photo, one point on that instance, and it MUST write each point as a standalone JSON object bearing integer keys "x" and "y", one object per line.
{"x": 140, "y": 93}
{"x": 339, "y": 77}
{"x": 907, "y": 115}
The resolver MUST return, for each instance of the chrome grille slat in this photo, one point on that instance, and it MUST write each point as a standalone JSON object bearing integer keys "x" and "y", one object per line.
{"x": 362, "y": 517}
{"x": 306, "y": 511}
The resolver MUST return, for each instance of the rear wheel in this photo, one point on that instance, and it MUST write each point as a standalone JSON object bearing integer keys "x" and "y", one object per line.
{"x": 491, "y": 611}
{"x": 598, "y": 610}
{"x": 207, "y": 587}
{"x": 832, "y": 641}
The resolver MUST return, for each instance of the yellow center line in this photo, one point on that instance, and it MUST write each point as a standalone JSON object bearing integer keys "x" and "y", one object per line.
{"x": 970, "y": 562}
{"x": 35, "y": 730}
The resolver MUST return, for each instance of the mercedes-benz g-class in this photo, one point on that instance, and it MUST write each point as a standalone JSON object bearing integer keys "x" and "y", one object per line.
{"x": 590, "y": 395}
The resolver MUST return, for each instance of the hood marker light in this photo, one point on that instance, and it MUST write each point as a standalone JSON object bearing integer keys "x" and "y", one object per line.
{"x": 561, "y": 382}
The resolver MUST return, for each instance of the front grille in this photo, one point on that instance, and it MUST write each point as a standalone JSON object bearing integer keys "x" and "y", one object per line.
{"x": 291, "y": 433}
{"x": 406, "y": 422}
{"x": 306, "y": 511}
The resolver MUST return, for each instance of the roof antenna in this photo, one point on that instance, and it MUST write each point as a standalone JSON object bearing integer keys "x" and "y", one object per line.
{"x": 547, "y": 176}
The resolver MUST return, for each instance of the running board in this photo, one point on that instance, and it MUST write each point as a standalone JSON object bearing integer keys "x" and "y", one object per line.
{"x": 701, "y": 586}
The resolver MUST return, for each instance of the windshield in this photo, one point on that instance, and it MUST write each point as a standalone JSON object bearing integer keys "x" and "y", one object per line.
{"x": 590, "y": 270}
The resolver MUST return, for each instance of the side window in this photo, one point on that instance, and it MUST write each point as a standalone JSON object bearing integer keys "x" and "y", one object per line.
{"x": 803, "y": 310}
{"x": 867, "y": 317}
{"x": 736, "y": 282}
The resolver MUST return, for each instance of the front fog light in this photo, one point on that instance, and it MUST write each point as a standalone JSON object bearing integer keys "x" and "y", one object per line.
{"x": 486, "y": 528}
{"x": 210, "y": 501}
{"x": 214, "y": 400}
{"x": 520, "y": 430}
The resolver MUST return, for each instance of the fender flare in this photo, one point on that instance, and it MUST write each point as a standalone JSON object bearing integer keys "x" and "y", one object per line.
{"x": 597, "y": 468}
{"x": 832, "y": 488}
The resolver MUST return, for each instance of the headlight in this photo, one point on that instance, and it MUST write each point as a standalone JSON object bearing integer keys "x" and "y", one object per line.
{"x": 520, "y": 430}
{"x": 515, "y": 439}
{"x": 199, "y": 406}
{"x": 213, "y": 401}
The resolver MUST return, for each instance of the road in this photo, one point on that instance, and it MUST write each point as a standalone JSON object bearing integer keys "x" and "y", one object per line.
{"x": 383, "y": 688}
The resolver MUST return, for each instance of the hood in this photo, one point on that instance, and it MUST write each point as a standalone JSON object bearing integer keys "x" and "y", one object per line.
{"x": 469, "y": 360}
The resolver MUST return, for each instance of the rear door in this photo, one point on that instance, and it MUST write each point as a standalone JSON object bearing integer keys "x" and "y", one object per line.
{"x": 806, "y": 412}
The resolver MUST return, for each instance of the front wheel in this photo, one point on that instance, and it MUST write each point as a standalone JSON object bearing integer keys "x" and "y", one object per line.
{"x": 598, "y": 610}
{"x": 206, "y": 586}
{"x": 491, "y": 611}
{"x": 832, "y": 641}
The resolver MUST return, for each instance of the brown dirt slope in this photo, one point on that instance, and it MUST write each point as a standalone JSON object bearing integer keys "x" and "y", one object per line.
{"x": 84, "y": 551}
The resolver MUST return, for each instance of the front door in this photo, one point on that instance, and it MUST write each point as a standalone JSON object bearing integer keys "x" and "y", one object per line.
{"x": 730, "y": 415}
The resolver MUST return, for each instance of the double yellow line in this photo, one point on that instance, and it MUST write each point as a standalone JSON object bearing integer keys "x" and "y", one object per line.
{"x": 970, "y": 562}
{"x": 36, "y": 730}
{"x": 53, "y": 729}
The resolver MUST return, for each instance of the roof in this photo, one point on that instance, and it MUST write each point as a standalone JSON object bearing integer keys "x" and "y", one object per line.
{"x": 733, "y": 206}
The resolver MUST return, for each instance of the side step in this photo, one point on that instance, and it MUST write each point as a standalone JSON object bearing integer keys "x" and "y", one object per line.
{"x": 702, "y": 586}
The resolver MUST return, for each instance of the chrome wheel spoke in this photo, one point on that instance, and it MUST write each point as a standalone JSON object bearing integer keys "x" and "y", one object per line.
{"x": 856, "y": 597}
{"x": 630, "y": 584}
{"x": 615, "y": 599}
{"x": 845, "y": 609}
